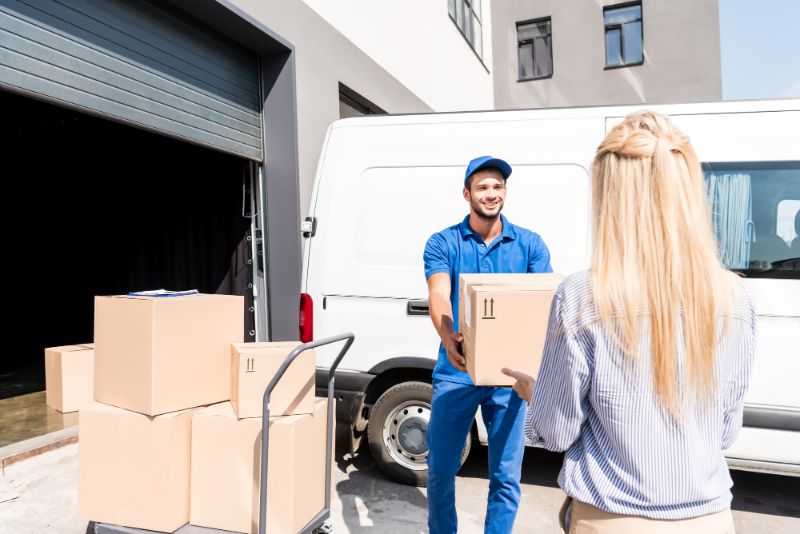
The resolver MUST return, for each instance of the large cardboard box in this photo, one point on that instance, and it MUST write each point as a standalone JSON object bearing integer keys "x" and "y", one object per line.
{"x": 156, "y": 355}
{"x": 309, "y": 472}
{"x": 503, "y": 318}
{"x": 133, "y": 470}
{"x": 253, "y": 365}
{"x": 69, "y": 376}
{"x": 226, "y": 453}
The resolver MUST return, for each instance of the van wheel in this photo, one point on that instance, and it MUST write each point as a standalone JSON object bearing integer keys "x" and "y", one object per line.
{"x": 396, "y": 432}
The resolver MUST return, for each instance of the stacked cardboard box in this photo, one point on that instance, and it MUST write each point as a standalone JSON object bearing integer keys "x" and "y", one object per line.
{"x": 253, "y": 365}
{"x": 162, "y": 443}
{"x": 226, "y": 463}
{"x": 503, "y": 318}
{"x": 156, "y": 360}
{"x": 133, "y": 469}
{"x": 226, "y": 445}
{"x": 156, "y": 355}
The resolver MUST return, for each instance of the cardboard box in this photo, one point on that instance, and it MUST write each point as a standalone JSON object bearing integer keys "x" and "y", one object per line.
{"x": 156, "y": 355}
{"x": 226, "y": 454}
{"x": 133, "y": 470}
{"x": 309, "y": 472}
{"x": 503, "y": 318}
{"x": 69, "y": 377}
{"x": 253, "y": 365}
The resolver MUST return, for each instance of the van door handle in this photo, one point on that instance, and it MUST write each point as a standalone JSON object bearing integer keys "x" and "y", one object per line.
{"x": 417, "y": 307}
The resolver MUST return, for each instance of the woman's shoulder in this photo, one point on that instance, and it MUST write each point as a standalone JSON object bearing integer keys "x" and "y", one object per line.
{"x": 737, "y": 299}
{"x": 575, "y": 286}
{"x": 574, "y": 298}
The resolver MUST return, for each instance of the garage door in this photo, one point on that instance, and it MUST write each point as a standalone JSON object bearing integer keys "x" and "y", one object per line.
{"x": 136, "y": 62}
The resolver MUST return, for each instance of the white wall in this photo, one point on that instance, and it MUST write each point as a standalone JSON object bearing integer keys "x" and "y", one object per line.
{"x": 324, "y": 58}
{"x": 418, "y": 43}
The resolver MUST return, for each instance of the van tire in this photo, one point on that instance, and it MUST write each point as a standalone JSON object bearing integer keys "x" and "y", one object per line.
{"x": 398, "y": 444}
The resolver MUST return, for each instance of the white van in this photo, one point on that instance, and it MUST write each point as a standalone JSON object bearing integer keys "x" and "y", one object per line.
{"x": 386, "y": 183}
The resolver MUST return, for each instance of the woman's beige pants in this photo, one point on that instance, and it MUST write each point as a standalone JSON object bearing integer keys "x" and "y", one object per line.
{"x": 587, "y": 519}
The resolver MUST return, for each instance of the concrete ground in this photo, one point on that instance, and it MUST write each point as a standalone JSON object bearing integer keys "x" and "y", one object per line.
{"x": 39, "y": 495}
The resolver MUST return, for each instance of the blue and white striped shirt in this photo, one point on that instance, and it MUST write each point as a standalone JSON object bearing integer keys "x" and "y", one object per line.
{"x": 623, "y": 455}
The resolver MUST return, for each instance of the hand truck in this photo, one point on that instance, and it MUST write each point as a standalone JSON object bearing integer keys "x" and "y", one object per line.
{"x": 320, "y": 523}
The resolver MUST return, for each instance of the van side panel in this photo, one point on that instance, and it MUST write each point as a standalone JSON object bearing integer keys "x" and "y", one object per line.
{"x": 385, "y": 190}
{"x": 385, "y": 184}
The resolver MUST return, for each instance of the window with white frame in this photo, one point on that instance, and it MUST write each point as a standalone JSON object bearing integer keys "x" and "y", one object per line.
{"x": 466, "y": 14}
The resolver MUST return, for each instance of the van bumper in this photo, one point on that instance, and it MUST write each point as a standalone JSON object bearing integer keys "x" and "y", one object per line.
{"x": 349, "y": 391}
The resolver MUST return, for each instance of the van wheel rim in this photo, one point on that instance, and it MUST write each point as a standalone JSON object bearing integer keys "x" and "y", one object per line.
{"x": 404, "y": 434}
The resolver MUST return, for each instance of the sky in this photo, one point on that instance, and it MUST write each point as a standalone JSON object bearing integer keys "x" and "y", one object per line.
{"x": 760, "y": 47}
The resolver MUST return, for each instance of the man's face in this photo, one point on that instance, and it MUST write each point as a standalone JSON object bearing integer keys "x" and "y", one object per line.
{"x": 486, "y": 193}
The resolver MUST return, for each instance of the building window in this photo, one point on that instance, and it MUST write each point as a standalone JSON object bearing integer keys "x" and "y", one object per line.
{"x": 534, "y": 49}
{"x": 624, "y": 35}
{"x": 467, "y": 16}
{"x": 352, "y": 104}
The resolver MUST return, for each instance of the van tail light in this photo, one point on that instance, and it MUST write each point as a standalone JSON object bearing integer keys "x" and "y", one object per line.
{"x": 306, "y": 318}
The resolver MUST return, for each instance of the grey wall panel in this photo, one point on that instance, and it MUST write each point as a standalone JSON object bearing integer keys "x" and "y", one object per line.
{"x": 681, "y": 40}
{"x": 135, "y": 62}
{"x": 282, "y": 202}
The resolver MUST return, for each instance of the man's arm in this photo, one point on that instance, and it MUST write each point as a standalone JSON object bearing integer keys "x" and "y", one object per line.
{"x": 539, "y": 257}
{"x": 442, "y": 316}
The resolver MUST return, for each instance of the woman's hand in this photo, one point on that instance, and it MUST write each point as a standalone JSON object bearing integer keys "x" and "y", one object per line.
{"x": 525, "y": 383}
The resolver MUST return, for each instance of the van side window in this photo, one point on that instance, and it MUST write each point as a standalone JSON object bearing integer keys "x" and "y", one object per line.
{"x": 755, "y": 210}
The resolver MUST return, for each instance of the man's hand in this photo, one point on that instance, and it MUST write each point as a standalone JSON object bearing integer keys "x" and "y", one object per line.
{"x": 442, "y": 317}
{"x": 524, "y": 385}
{"x": 453, "y": 347}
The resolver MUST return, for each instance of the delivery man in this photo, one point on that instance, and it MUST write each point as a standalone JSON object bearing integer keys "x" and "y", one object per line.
{"x": 484, "y": 242}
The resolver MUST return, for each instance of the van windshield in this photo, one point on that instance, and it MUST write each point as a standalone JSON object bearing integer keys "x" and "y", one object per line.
{"x": 755, "y": 210}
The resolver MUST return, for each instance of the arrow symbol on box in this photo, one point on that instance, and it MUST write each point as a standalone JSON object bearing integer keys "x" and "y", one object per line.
{"x": 488, "y": 309}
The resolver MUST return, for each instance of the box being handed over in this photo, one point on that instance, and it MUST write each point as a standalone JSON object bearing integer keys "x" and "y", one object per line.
{"x": 503, "y": 318}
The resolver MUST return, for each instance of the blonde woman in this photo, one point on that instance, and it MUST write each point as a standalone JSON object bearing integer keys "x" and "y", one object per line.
{"x": 648, "y": 354}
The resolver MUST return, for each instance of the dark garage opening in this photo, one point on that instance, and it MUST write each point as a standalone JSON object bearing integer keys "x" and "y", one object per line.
{"x": 93, "y": 207}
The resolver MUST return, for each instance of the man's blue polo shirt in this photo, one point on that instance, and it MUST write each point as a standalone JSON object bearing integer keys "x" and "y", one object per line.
{"x": 459, "y": 249}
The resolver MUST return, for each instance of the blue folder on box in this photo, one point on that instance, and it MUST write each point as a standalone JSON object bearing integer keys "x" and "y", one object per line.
{"x": 162, "y": 293}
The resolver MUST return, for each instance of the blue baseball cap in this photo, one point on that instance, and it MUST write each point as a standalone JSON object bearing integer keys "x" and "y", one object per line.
{"x": 484, "y": 162}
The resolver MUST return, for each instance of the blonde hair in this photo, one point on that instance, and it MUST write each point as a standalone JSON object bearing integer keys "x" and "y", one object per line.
{"x": 655, "y": 254}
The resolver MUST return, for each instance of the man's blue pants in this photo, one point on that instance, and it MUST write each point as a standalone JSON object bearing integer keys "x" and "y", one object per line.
{"x": 453, "y": 409}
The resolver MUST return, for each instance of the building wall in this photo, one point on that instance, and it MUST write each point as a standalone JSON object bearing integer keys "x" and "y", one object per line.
{"x": 414, "y": 59}
{"x": 417, "y": 42}
{"x": 324, "y": 58}
{"x": 681, "y": 55}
